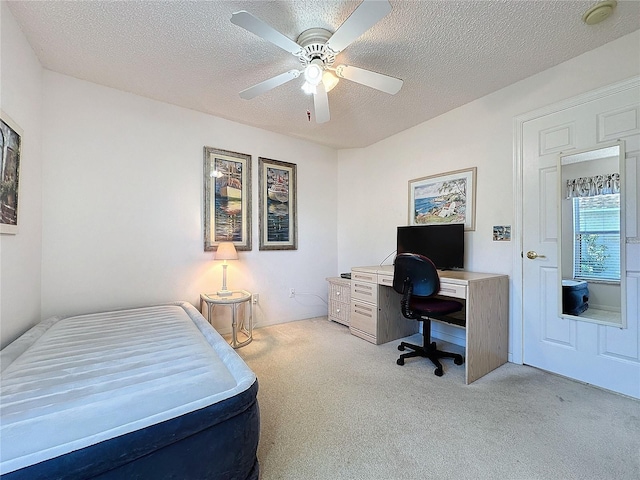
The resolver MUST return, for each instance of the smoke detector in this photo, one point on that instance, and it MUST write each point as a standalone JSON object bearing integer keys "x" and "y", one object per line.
{"x": 599, "y": 12}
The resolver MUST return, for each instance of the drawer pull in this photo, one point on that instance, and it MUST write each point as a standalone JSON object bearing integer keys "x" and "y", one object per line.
{"x": 337, "y": 310}
{"x": 366, "y": 278}
{"x": 365, "y": 291}
{"x": 363, "y": 309}
{"x": 337, "y": 294}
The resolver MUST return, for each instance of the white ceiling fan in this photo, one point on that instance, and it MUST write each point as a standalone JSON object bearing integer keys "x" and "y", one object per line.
{"x": 316, "y": 49}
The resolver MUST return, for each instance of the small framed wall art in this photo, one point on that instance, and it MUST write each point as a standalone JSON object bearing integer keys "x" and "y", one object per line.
{"x": 445, "y": 198}
{"x": 10, "y": 144}
{"x": 227, "y": 199}
{"x": 278, "y": 205}
{"x": 502, "y": 233}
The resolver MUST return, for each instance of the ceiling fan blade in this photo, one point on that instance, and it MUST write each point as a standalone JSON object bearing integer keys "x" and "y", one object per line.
{"x": 267, "y": 85}
{"x": 371, "y": 79}
{"x": 321, "y": 104}
{"x": 256, "y": 26}
{"x": 365, "y": 16}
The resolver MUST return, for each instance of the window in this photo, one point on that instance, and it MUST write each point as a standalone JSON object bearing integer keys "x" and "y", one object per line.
{"x": 596, "y": 225}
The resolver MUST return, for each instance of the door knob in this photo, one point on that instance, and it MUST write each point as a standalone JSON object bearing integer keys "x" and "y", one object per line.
{"x": 533, "y": 255}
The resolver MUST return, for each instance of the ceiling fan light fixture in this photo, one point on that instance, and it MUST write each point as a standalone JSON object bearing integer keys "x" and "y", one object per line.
{"x": 308, "y": 88}
{"x": 329, "y": 80}
{"x": 313, "y": 72}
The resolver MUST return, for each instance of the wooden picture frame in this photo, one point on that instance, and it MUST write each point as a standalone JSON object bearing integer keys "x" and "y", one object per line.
{"x": 227, "y": 199}
{"x": 444, "y": 198}
{"x": 278, "y": 218}
{"x": 10, "y": 147}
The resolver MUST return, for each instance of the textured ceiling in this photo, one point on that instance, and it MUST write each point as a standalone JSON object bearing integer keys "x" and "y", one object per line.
{"x": 189, "y": 53}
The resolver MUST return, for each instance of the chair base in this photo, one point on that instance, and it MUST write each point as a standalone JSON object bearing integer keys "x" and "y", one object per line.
{"x": 430, "y": 352}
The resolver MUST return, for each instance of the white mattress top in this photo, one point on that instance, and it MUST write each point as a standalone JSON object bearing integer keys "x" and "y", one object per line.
{"x": 71, "y": 382}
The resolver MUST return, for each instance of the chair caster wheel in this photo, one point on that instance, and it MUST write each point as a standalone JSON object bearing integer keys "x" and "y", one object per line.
{"x": 401, "y": 348}
{"x": 400, "y": 361}
{"x": 438, "y": 372}
{"x": 458, "y": 360}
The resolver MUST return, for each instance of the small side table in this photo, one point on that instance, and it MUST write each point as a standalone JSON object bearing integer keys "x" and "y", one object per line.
{"x": 236, "y": 298}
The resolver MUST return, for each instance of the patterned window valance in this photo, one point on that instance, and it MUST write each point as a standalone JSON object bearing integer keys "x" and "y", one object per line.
{"x": 592, "y": 186}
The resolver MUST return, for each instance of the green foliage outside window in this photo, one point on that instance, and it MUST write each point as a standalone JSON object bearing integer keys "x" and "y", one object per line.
{"x": 594, "y": 256}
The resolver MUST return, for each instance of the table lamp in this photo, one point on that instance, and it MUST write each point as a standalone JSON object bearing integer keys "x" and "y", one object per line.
{"x": 226, "y": 251}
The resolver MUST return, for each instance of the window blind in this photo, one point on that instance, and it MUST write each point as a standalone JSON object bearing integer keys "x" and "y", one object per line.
{"x": 596, "y": 223}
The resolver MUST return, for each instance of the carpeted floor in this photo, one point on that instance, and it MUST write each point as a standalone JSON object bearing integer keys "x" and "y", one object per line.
{"x": 334, "y": 407}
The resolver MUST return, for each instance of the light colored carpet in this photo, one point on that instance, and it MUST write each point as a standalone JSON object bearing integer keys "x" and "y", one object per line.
{"x": 334, "y": 406}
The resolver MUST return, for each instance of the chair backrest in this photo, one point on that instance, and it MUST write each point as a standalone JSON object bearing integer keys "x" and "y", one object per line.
{"x": 420, "y": 271}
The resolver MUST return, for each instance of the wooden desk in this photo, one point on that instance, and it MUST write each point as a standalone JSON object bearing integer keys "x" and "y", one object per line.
{"x": 376, "y": 316}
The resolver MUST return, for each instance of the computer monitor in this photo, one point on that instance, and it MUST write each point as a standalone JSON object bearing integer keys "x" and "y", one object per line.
{"x": 442, "y": 244}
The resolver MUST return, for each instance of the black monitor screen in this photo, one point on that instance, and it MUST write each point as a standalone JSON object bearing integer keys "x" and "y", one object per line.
{"x": 443, "y": 244}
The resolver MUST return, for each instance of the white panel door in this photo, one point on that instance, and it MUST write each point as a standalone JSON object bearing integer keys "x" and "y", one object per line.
{"x": 605, "y": 356}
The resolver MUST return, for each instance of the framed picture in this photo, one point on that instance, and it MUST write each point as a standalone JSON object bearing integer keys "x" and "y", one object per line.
{"x": 502, "y": 233}
{"x": 227, "y": 199}
{"x": 278, "y": 198}
{"x": 445, "y": 198}
{"x": 10, "y": 143}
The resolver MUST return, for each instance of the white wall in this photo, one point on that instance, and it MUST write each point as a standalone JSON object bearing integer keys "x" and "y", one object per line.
{"x": 122, "y": 207}
{"x": 111, "y": 215}
{"x": 374, "y": 181}
{"x": 20, "y": 255}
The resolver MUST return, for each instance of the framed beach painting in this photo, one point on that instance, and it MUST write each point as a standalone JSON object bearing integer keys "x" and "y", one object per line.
{"x": 277, "y": 198}
{"x": 10, "y": 144}
{"x": 227, "y": 199}
{"x": 445, "y": 198}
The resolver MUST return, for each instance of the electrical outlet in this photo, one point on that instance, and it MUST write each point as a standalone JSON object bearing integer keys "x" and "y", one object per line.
{"x": 255, "y": 298}
{"x": 292, "y": 292}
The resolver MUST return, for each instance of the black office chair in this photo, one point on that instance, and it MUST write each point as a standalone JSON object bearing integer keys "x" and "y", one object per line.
{"x": 416, "y": 278}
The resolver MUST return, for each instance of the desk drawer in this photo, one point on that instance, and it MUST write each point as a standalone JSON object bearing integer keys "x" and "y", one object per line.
{"x": 364, "y": 317}
{"x": 364, "y": 277}
{"x": 386, "y": 280}
{"x": 339, "y": 293}
{"x": 453, "y": 290}
{"x": 339, "y": 312}
{"x": 365, "y": 291}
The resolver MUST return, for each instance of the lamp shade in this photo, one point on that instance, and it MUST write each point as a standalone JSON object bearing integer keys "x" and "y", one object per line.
{"x": 329, "y": 80}
{"x": 226, "y": 251}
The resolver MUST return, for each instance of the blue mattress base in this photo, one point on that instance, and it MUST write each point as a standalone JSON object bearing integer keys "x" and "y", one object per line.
{"x": 216, "y": 442}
